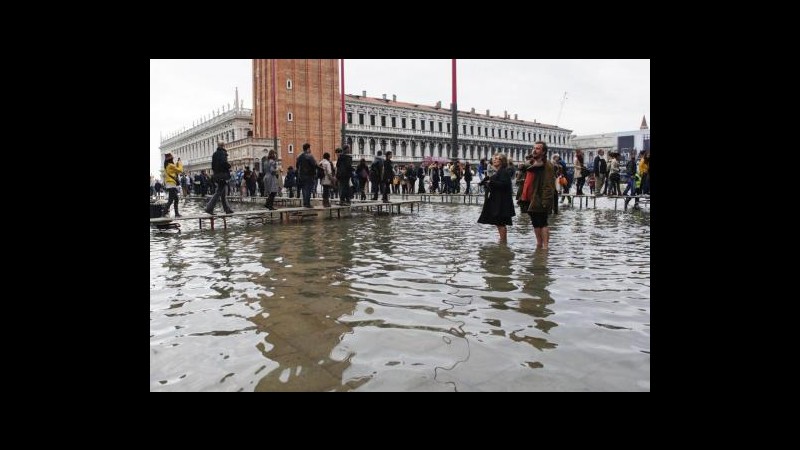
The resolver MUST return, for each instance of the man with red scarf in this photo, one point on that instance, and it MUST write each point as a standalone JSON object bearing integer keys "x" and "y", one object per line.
{"x": 538, "y": 189}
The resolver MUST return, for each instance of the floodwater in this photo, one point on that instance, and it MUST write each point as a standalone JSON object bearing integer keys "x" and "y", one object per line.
{"x": 428, "y": 301}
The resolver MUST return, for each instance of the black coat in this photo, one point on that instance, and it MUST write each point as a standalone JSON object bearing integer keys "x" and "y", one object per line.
{"x": 344, "y": 167}
{"x": 220, "y": 165}
{"x": 388, "y": 171}
{"x": 498, "y": 207}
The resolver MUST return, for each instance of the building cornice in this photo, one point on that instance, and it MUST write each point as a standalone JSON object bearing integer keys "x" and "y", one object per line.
{"x": 227, "y": 116}
{"x": 385, "y": 105}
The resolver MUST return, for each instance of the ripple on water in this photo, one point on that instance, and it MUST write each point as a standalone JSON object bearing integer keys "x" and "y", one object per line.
{"x": 422, "y": 302}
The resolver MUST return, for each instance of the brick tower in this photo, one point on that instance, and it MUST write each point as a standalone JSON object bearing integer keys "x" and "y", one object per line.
{"x": 305, "y": 95}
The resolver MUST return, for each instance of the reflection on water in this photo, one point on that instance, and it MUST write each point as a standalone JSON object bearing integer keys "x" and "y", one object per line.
{"x": 428, "y": 302}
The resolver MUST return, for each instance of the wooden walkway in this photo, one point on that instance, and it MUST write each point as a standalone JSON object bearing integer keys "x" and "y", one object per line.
{"x": 584, "y": 199}
{"x": 476, "y": 199}
{"x": 472, "y": 199}
{"x": 289, "y": 213}
{"x": 281, "y": 201}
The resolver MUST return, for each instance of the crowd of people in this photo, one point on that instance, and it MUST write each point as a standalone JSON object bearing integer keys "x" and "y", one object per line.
{"x": 537, "y": 182}
{"x": 604, "y": 176}
{"x": 339, "y": 179}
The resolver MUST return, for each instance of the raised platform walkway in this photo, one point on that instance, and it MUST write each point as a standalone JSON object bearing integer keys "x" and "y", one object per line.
{"x": 287, "y": 214}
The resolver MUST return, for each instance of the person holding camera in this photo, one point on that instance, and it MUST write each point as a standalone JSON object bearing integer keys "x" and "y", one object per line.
{"x": 171, "y": 172}
{"x": 498, "y": 207}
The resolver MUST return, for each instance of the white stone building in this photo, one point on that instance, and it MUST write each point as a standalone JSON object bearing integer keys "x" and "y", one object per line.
{"x": 196, "y": 145}
{"x": 418, "y": 133}
{"x": 414, "y": 133}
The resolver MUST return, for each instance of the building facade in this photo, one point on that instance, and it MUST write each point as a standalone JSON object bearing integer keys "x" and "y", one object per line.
{"x": 623, "y": 142}
{"x": 297, "y": 101}
{"x": 422, "y": 133}
{"x": 232, "y": 125}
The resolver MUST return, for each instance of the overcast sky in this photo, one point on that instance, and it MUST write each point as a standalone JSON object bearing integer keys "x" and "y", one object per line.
{"x": 602, "y": 95}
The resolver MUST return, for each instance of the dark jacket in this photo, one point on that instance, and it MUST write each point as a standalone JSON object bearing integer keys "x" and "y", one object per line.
{"x": 468, "y": 174}
{"x": 220, "y": 165}
{"x": 498, "y": 208}
{"x": 630, "y": 167}
{"x": 362, "y": 170}
{"x": 344, "y": 167}
{"x": 388, "y": 172}
{"x": 376, "y": 169}
{"x": 599, "y": 166}
{"x": 306, "y": 167}
{"x": 290, "y": 180}
{"x": 541, "y": 191}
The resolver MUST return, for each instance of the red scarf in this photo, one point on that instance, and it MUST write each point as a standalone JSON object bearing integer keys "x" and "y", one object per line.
{"x": 526, "y": 186}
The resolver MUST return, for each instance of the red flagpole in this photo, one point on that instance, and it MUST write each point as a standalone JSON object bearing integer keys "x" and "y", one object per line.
{"x": 454, "y": 149}
{"x": 342, "y": 89}
{"x": 274, "y": 108}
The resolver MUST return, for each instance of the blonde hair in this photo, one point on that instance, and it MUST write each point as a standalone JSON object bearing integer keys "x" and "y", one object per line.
{"x": 503, "y": 159}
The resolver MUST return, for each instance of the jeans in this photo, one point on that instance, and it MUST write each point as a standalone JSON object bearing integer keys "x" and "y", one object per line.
{"x": 173, "y": 196}
{"x": 220, "y": 193}
{"x": 307, "y": 186}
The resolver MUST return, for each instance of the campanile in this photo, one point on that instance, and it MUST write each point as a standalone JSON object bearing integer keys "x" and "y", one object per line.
{"x": 299, "y": 101}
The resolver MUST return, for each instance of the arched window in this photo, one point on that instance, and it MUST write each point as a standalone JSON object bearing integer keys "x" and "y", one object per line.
{"x": 372, "y": 146}
{"x": 361, "y": 145}
{"x": 403, "y": 148}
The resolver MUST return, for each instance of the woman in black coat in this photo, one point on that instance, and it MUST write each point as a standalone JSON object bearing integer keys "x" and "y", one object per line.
{"x": 498, "y": 207}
